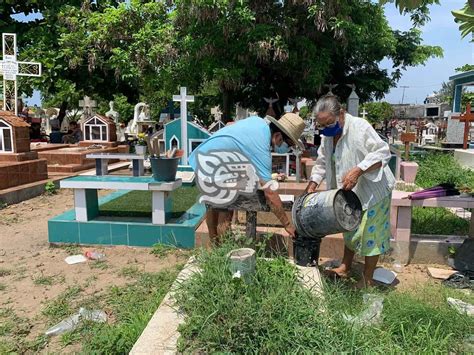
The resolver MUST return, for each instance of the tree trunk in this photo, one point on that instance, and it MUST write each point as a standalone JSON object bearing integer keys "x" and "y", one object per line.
{"x": 62, "y": 112}
{"x": 227, "y": 104}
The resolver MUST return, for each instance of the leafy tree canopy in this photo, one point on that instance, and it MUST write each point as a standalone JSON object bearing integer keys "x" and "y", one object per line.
{"x": 224, "y": 51}
{"x": 378, "y": 112}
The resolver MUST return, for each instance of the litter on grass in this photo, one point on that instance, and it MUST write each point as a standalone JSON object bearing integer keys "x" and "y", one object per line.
{"x": 75, "y": 259}
{"x": 73, "y": 321}
{"x": 461, "y": 306}
{"x": 371, "y": 315}
{"x": 385, "y": 276}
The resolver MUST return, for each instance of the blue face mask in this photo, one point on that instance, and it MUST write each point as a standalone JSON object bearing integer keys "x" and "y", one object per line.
{"x": 332, "y": 131}
{"x": 282, "y": 149}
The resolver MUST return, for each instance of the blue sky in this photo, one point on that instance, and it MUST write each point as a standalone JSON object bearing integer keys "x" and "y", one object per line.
{"x": 422, "y": 80}
{"x": 440, "y": 31}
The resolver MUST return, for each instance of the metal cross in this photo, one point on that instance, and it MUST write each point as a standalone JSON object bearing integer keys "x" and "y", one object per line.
{"x": 10, "y": 68}
{"x": 183, "y": 99}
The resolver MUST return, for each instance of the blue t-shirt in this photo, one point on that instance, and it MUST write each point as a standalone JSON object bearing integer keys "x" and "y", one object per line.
{"x": 250, "y": 136}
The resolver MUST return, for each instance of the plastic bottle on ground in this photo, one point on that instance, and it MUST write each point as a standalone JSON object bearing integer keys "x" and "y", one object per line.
{"x": 93, "y": 255}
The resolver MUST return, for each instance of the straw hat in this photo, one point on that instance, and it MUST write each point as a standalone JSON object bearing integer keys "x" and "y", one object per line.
{"x": 291, "y": 125}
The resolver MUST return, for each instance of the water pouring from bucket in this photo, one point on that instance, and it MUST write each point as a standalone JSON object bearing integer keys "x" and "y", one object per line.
{"x": 318, "y": 214}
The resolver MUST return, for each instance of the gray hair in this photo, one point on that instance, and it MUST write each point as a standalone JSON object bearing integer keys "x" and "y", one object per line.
{"x": 327, "y": 103}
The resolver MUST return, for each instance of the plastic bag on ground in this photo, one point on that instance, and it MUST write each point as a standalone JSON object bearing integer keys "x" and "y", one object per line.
{"x": 71, "y": 323}
{"x": 371, "y": 315}
{"x": 461, "y": 306}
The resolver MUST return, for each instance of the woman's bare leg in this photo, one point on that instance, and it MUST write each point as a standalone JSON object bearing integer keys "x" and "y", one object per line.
{"x": 368, "y": 274}
{"x": 346, "y": 265}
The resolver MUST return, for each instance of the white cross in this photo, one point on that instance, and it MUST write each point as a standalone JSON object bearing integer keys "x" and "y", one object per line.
{"x": 10, "y": 68}
{"x": 87, "y": 105}
{"x": 364, "y": 112}
{"x": 183, "y": 99}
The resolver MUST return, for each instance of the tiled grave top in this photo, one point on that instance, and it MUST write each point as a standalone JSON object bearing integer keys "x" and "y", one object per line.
{"x": 115, "y": 156}
{"x": 119, "y": 183}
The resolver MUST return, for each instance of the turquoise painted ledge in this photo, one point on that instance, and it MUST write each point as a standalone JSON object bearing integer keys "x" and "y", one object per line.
{"x": 138, "y": 232}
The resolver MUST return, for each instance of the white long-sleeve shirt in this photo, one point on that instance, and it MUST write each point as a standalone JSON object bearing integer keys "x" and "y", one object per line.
{"x": 360, "y": 146}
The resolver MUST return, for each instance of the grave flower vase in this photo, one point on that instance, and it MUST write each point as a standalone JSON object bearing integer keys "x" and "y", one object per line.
{"x": 140, "y": 149}
{"x": 164, "y": 169}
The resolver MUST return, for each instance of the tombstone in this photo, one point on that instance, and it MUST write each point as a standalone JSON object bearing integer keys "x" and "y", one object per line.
{"x": 14, "y": 134}
{"x": 112, "y": 113}
{"x": 183, "y": 99}
{"x": 10, "y": 69}
{"x": 454, "y": 131}
{"x": 430, "y": 133}
{"x": 364, "y": 113}
{"x": 288, "y": 108}
{"x": 270, "y": 110}
{"x": 88, "y": 107}
{"x": 141, "y": 119}
{"x": 331, "y": 86}
{"x": 98, "y": 129}
{"x": 19, "y": 165}
{"x": 216, "y": 113}
{"x": 465, "y": 118}
{"x": 241, "y": 113}
{"x": 353, "y": 101}
{"x": 173, "y": 136}
{"x": 295, "y": 102}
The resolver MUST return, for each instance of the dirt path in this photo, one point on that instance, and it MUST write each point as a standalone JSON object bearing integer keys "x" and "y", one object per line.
{"x": 32, "y": 273}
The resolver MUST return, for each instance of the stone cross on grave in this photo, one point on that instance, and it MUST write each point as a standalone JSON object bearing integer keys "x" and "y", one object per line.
{"x": 10, "y": 68}
{"x": 183, "y": 99}
{"x": 87, "y": 106}
{"x": 364, "y": 113}
{"x": 466, "y": 117}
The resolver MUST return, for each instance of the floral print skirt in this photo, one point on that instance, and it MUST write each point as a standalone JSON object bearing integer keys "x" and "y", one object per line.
{"x": 373, "y": 235}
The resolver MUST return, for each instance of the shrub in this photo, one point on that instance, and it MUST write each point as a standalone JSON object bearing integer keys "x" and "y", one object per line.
{"x": 437, "y": 168}
{"x": 50, "y": 188}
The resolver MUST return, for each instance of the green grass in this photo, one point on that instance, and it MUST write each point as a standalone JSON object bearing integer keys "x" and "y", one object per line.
{"x": 274, "y": 314}
{"x": 162, "y": 250}
{"x": 61, "y": 307}
{"x": 3, "y": 287}
{"x": 99, "y": 264}
{"x": 132, "y": 271}
{"x": 13, "y": 333}
{"x": 131, "y": 307}
{"x": 5, "y": 272}
{"x": 43, "y": 280}
{"x": 438, "y": 221}
{"x": 437, "y": 168}
{"x": 138, "y": 203}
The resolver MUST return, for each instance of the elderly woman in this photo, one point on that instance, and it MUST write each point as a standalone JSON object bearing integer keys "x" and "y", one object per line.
{"x": 353, "y": 157}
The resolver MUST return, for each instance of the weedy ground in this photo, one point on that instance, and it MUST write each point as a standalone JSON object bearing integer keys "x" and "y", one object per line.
{"x": 273, "y": 313}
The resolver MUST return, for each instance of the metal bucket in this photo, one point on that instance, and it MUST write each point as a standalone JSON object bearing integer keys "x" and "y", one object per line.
{"x": 306, "y": 251}
{"x": 328, "y": 212}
